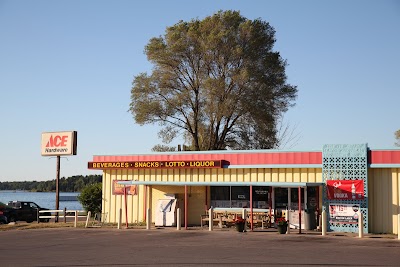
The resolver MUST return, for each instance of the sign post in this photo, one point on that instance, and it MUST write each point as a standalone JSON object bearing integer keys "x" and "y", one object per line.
{"x": 57, "y": 144}
{"x": 57, "y": 188}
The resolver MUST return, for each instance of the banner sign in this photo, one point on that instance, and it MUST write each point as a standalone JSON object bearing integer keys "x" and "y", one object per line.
{"x": 344, "y": 213}
{"x": 118, "y": 189}
{"x": 155, "y": 164}
{"x": 345, "y": 189}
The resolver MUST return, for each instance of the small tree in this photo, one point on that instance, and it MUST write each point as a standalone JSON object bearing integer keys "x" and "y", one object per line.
{"x": 91, "y": 197}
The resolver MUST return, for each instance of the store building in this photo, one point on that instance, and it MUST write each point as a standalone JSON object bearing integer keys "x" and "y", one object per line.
{"x": 340, "y": 179}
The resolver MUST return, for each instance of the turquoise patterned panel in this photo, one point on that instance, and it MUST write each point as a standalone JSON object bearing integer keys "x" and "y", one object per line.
{"x": 345, "y": 162}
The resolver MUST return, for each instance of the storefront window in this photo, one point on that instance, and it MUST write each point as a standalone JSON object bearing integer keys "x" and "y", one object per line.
{"x": 295, "y": 198}
{"x": 281, "y": 198}
{"x": 312, "y": 195}
{"x": 238, "y": 196}
{"x": 261, "y": 197}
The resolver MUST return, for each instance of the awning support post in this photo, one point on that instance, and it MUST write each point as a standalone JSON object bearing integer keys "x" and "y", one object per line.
{"x": 299, "y": 195}
{"x": 186, "y": 207}
{"x": 251, "y": 208}
{"x": 126, "y": 208}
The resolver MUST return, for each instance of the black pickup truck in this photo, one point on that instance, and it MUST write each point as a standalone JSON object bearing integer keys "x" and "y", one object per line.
{"x": 25, "y": 211}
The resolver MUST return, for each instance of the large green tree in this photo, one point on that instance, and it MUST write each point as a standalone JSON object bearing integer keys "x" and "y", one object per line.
{"x": 217, "y": 82}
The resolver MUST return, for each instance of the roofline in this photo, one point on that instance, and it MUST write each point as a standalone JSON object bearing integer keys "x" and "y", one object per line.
{"x": 211, "y": 152}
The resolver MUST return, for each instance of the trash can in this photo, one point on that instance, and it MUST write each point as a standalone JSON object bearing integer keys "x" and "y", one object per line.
{"x": 310, "y": 220}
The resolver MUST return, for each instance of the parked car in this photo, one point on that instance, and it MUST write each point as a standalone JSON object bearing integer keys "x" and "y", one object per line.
{"x": 3, "y": 219}
{"x": 25, "y": 211}
{"x": 5, "y": 212}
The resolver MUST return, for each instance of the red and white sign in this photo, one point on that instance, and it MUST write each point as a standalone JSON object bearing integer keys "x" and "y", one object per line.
{"x": 343, "y": 213}
{"x": 59, "y": 143}
{"x": 345, "y": 189}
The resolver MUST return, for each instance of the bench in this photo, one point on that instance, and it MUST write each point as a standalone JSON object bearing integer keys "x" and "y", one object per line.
{"x": 226, "y": 217}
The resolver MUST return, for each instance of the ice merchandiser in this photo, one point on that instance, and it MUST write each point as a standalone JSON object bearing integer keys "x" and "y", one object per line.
{"x": 166, "y": 211}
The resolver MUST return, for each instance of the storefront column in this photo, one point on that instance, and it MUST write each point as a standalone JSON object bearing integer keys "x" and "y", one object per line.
{"x": 251, "y": 208}
{"x": 270, "y": 205}
{"x": 126, "y": 207}
{"x": 145, "y": 203}
{"x": 299, "y": 209}
{"x": 305, "y": 199}
{"x": 186, "y": 206}
{"x": 206, "y": 200}
{"x": 317, "y": 200}
{"x": 273, "y": 198}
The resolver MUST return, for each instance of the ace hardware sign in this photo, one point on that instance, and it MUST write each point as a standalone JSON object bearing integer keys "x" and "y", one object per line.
{"x": 59, "y": 143}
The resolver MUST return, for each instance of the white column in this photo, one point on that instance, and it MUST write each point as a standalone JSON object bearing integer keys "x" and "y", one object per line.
{"x": 287, "y": 218}
{"x": 76, "y": 218}
{"x": 244, "y": 216}
{"x": 178, "y": 219}
{"x": 148, "y": 219}
{"x": 119, "y": 218}
{"x": 324, "y": 222}
{"x": 360, "y": 225}
{"x": 210, "y": 219}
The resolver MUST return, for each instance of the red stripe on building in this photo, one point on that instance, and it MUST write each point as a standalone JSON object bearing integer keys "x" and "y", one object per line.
{"x": 384, "y": 157}
{"x": 257, "y": 158}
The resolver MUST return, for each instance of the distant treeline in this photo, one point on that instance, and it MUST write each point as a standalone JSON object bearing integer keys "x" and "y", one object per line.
{"x": 70, "y": 184}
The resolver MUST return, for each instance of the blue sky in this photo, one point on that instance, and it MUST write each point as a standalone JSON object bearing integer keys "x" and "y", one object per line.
{"x": 69, "y": 65}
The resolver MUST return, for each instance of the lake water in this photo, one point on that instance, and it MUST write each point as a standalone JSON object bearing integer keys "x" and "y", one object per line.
{"x": 43, "y": 199}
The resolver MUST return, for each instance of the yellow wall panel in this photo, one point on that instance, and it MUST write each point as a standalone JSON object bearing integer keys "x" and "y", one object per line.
{"x": 246, "y": 175}
{"x": 281, "y": 175}
{"x": 253, "y": 175}
{"x": 296, "y": 175}
{"x": 289, "y": 175}
{"x": 275, "y": 175}
{"x": 227, "y": 175}
{"x": 214, "y": 175}
{"x": 311, "y": 175}
{"x": 396, "y": 177}
{"x": 195, "y": 175}
{"x": 268, "y": 175}
{"x": 383, "y": 200}
{"x": 260, "y": 175}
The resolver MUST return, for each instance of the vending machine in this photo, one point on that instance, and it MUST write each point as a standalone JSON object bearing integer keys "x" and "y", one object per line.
{"x": 166, "y": 211}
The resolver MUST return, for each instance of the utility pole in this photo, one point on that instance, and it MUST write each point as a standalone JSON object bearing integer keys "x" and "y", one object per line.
{"x": 57, "y": 189}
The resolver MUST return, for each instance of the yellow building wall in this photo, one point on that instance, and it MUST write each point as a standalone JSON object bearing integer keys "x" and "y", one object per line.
{"x": 197, "y": 196}
{"x": 111, "y": 204}
{"x": 383, "y": 199}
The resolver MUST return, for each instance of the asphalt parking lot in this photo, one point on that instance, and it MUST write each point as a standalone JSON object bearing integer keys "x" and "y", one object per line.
{"x": 169, "y": 247}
